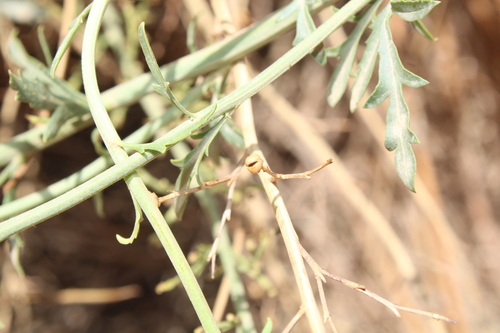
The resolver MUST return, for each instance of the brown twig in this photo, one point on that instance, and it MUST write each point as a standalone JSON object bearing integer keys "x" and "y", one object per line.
{"x": 294, "y": 320}
{"x": 175, "y": 194}
{"x": 255, "y": 164}
{"x": 361, "y": 288}
{"x": 326, "y": 313}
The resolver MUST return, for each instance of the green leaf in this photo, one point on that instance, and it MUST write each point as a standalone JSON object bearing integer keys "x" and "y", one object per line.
{"x": 162, "y": 87}
{"x": 268, "y": 327}
{"x": 232, "y": 134}
{"x": 422, "y": 29}
{"x": 333, "y": 52}
{"x": 413, "y": 10}
{"x": 73, "y": 28}
{"x": 338, "y": 82}
{"x": 44, "y": 44}
{"x": 190, "y": 165}
{"x": 60, "y": 115}
{"x": 392, "y": 75}
{"x": 305, "y": 26}
{"x": 33, "y": 92}
{"x": 191, "y": 35}
{"x": 365, "y": 71}
{"x": 138, "y": 219}
{"x": 36, "y": 87}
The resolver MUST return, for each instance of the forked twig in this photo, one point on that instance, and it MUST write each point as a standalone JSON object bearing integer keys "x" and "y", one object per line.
{"x": 294, "y": 320}
{"x": 326, "y": 313}
{"x": 361, "y": 288}
{"x": 174, "y": 194}
{"x": 255, "y": 164}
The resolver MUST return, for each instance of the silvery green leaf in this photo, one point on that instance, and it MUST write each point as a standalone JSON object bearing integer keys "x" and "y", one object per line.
{"x": 338, "y": 82}
{"x": 413, "y": 10}
{"x": 392, "y": 75}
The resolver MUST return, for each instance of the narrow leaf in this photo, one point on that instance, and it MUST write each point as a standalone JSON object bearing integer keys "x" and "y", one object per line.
{"x": 191, "y": 35}
{"x": 268, "y": 327}
{"x": 413, "y": 10}
{"x": 138, "y": 219}
{"x": 149, "y": 55}
{"x": 338, "y": 82}
{"x": 305, "y": 26}
{"x": 232, "y": 134}
{"x": 365, "y": 71}
{"x": 190, "y": 164}
{"x": 422, "y": 29}
{"x": 36, "y": 87}
{"x": 44, "y": 44}
{"x": 73, "y": 28}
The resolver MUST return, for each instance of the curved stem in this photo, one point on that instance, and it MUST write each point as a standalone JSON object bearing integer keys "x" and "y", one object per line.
{"x": 134, "y": 182}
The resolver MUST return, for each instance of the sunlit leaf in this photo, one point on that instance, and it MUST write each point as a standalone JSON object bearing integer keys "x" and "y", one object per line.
{"x": 190, "y": 165}
{"x": 392, "y": 75}
{"x": 413, "y": 10}
{"x": 268, "y": 327}
{"x": 338, "y": 82}
{"x": 305, "y": 26}
{"x": 138, "y": 219}
{"x": 365, "y": 71}
{"x": 422, "y": 29}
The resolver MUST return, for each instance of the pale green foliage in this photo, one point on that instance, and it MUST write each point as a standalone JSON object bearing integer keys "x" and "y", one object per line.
{"x": 347, "y": 53}
{"x": 413, "y": 10}
{"x": 392, "y": 75}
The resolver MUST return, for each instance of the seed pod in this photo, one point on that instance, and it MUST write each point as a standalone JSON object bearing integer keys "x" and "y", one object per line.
{"x": 254, "y": 163}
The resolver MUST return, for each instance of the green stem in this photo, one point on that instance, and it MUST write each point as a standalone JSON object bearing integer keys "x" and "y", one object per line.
{"x": 136, "y": 186}
{"x": 201, "y": 62}
{"x": 135, "y": 161}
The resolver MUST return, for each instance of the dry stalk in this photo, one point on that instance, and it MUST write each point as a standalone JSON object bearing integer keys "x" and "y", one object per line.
{"x": 361, "y": 288}
{"x": 294, "y": 320}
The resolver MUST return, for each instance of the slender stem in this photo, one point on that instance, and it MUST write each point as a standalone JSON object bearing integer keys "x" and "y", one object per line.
{"x": 201, "y": 62}
{"x": 136, "y": 186}
{"x": 135, "y": 161}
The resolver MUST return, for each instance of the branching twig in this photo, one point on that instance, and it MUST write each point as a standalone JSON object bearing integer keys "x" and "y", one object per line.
{"x": 175, "y": 194}
{"x": 255, "y": 164}
{"x": 294, "y": 320}
{"x": 361, "y": 288}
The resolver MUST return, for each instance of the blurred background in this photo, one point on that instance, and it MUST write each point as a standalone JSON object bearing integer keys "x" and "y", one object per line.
{"x": 436, "y": 250}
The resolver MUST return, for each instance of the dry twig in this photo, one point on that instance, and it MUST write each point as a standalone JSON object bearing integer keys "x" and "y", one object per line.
{"x": 361, "y": 288}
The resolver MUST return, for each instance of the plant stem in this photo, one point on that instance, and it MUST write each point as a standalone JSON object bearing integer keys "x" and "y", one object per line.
{"x": 135, "y": 161}
{"x": 139, "y": 191}
{"x": 201, "y": 62}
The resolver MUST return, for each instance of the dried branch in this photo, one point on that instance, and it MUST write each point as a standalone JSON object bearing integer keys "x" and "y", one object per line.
{"x": 294, "y": 320}
{"x": 255, "y": 164}
{"x": 361, "y": 288}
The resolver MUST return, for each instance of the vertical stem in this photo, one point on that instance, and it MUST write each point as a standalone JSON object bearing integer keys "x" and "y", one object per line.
{"x": 287, "y": 230}
{"x": 134, "y": 182}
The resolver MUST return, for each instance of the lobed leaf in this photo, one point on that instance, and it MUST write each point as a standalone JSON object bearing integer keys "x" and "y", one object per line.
{"x": 392, "y": 75}
{"x": 413, "y": 10}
